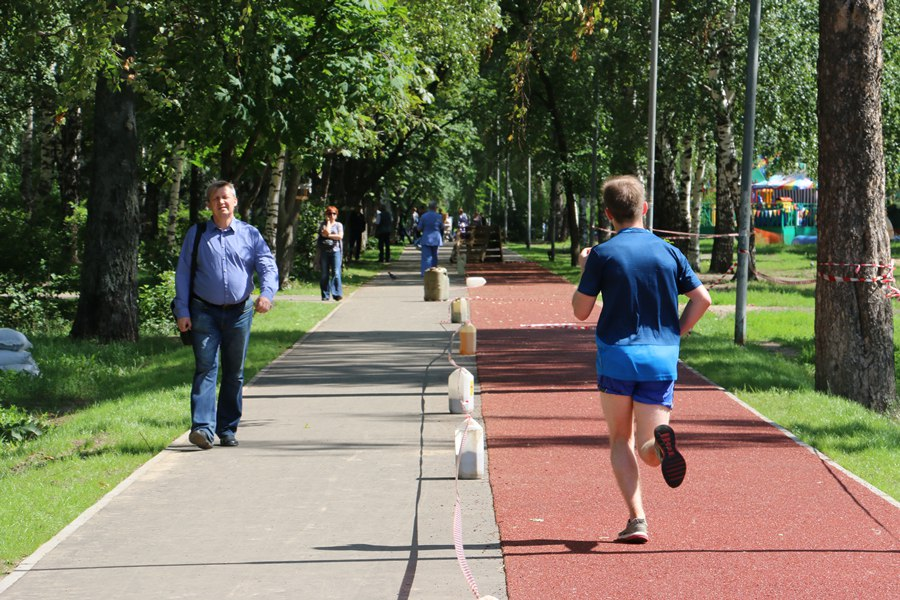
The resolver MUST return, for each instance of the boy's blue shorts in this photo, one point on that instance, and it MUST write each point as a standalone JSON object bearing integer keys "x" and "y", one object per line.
{"x": 645, "y": 392}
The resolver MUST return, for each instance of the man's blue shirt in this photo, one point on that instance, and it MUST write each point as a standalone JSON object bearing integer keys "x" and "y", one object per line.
{"x": 639, "y": 277}
{"x": 226, "y": 261}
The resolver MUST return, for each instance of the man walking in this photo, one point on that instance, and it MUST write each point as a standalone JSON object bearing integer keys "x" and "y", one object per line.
{"x": 220, "y": 311}
{"x": 384, "y": 226}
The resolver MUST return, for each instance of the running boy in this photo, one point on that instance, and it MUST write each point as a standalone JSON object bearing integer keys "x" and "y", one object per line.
{"x": 638, "y": 333}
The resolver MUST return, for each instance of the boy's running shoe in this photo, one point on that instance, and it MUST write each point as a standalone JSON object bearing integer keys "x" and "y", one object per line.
{"x": 673, "y": 465}
{"x": 634, "y": 533}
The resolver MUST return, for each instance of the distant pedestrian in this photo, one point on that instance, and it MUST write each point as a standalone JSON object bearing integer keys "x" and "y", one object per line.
{"x": 448, "y": 227}
{"x": 220, "y": 312}
{"x": 431, "y": 227}
{"x": 384, "y": 227}
{"x": 414, "y": 222}
{"x": 330, "y": 243}
{"x": 640, "y": 277}
{"x": 356, "y": 227}
{"x": 462, "y": 223}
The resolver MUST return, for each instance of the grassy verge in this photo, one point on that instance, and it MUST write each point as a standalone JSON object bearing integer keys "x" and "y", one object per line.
{"x": 113, "y": 408}
{"x": 774, "y": 371}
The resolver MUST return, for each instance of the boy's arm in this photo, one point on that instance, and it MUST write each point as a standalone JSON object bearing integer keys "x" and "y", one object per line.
{"x": 698, "y": 302}
{"x": 582, "y": 305}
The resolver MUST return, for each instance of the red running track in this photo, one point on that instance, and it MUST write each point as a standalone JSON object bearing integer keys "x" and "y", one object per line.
{"x": 758, "y": 516}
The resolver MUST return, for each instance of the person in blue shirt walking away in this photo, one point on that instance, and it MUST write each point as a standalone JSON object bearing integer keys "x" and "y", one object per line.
{"x": 220, "y": 312}
{"x": 639, "y": 330}
{"x": 431, "y": 226}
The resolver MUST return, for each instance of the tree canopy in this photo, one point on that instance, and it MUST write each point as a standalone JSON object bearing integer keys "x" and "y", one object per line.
{"x": 397, "y": 100}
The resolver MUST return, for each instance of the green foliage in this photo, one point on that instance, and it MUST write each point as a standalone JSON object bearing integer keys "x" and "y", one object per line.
{"x": 154, "y": 305}
{"x": 17, "y": 426}
{"x": 308, "y": 221}
{"x": 28, "y": 308}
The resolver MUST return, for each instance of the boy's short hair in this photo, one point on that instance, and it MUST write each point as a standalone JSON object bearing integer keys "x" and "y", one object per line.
{"x": 623, "y": 195}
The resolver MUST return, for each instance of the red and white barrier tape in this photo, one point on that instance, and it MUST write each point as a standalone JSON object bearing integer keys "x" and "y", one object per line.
{"x": 457, "y": 510}
{"x": 718, "y": 281}
{"x": 521, "y": 298}
{"x": 885, "y": 279}
{"x": 679, "y": 234}
{"x": 457, "y": 520}
{"x": 555, "y": 326}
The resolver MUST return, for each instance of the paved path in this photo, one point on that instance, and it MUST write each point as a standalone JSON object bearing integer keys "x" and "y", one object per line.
{"x": 342, "y": 486}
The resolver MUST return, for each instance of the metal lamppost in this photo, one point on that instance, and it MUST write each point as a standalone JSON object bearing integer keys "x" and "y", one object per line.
{"x": 740, "y": 309}
{"x": 651, "y": 135}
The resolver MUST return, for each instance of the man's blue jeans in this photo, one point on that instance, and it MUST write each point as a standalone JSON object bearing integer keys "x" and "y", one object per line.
{"x": 330, "y": 280}
{"x": 429, "y": 258}
{"x": 215, "y": 329}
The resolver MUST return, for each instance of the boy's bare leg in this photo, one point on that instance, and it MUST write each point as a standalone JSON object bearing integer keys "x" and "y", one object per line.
{"x": 619, "y": 416}
{"x": 646, "y": 419}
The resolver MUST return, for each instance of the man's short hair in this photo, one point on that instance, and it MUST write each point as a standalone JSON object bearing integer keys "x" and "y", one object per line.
{"x": 623, "y": 195}
{"x": 218, "y": 184}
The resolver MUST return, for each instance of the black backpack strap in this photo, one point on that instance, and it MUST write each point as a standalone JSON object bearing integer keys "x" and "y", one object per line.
{"x": 201, "y": 227}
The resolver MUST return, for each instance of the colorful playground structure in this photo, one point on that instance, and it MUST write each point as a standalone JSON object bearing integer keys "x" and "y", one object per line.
{"x": 783, "y": 207}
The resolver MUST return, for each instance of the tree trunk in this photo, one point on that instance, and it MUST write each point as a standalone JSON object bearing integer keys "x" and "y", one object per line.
{"x": 70, "y": 177}
{"x": 48, "y": 155}
{"x": 685, "y": 173}
{"x": 728, "y": 184}
{"x": 26, "y": 183}
{"x": 555, "y": 195}
{"x": 274, "y": 201}
{"x": 175, "y": 200}
{"x": 693, "y": 254}
{"x": 854, "y": 321}
{"x": 196, "y": 191}
{"x": 667, "y": 215}
{"x": 150, "y": 211}
{"x": 289, "y": 208}
{"x": 107, "y": 305}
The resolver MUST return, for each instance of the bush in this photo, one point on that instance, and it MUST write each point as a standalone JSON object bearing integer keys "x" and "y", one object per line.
{"x": 27, "y": 307}
{"x": 17, "y": 426}
{"x": 154, "y": 305}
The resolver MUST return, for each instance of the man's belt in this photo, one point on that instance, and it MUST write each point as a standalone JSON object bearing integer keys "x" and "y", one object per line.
{"x": 221, "y": 306}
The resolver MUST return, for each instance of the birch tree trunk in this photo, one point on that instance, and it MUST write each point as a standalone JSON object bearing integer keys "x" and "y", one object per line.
{"x": 693, "y": 254}
{"x": 854, "y": 320}
{"x": 685, "y": 175}
{"x": 274, "y": 201}
{"x": 728, "y": 184}
{"x": 175, "y": 200}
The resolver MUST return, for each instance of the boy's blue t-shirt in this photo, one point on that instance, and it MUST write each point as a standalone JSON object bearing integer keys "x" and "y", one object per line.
{"x": 639, "y": 277}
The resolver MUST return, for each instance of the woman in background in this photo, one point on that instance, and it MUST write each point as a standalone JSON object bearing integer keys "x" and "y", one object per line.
{"x": 331, "y": 232}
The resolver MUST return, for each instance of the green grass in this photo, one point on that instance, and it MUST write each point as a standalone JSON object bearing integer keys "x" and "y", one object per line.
{"x": 114, "y": 407}
{"x": 774, "y": 371}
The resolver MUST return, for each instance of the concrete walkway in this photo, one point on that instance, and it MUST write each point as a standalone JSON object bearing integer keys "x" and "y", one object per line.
{"x": 342, "y": 486}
